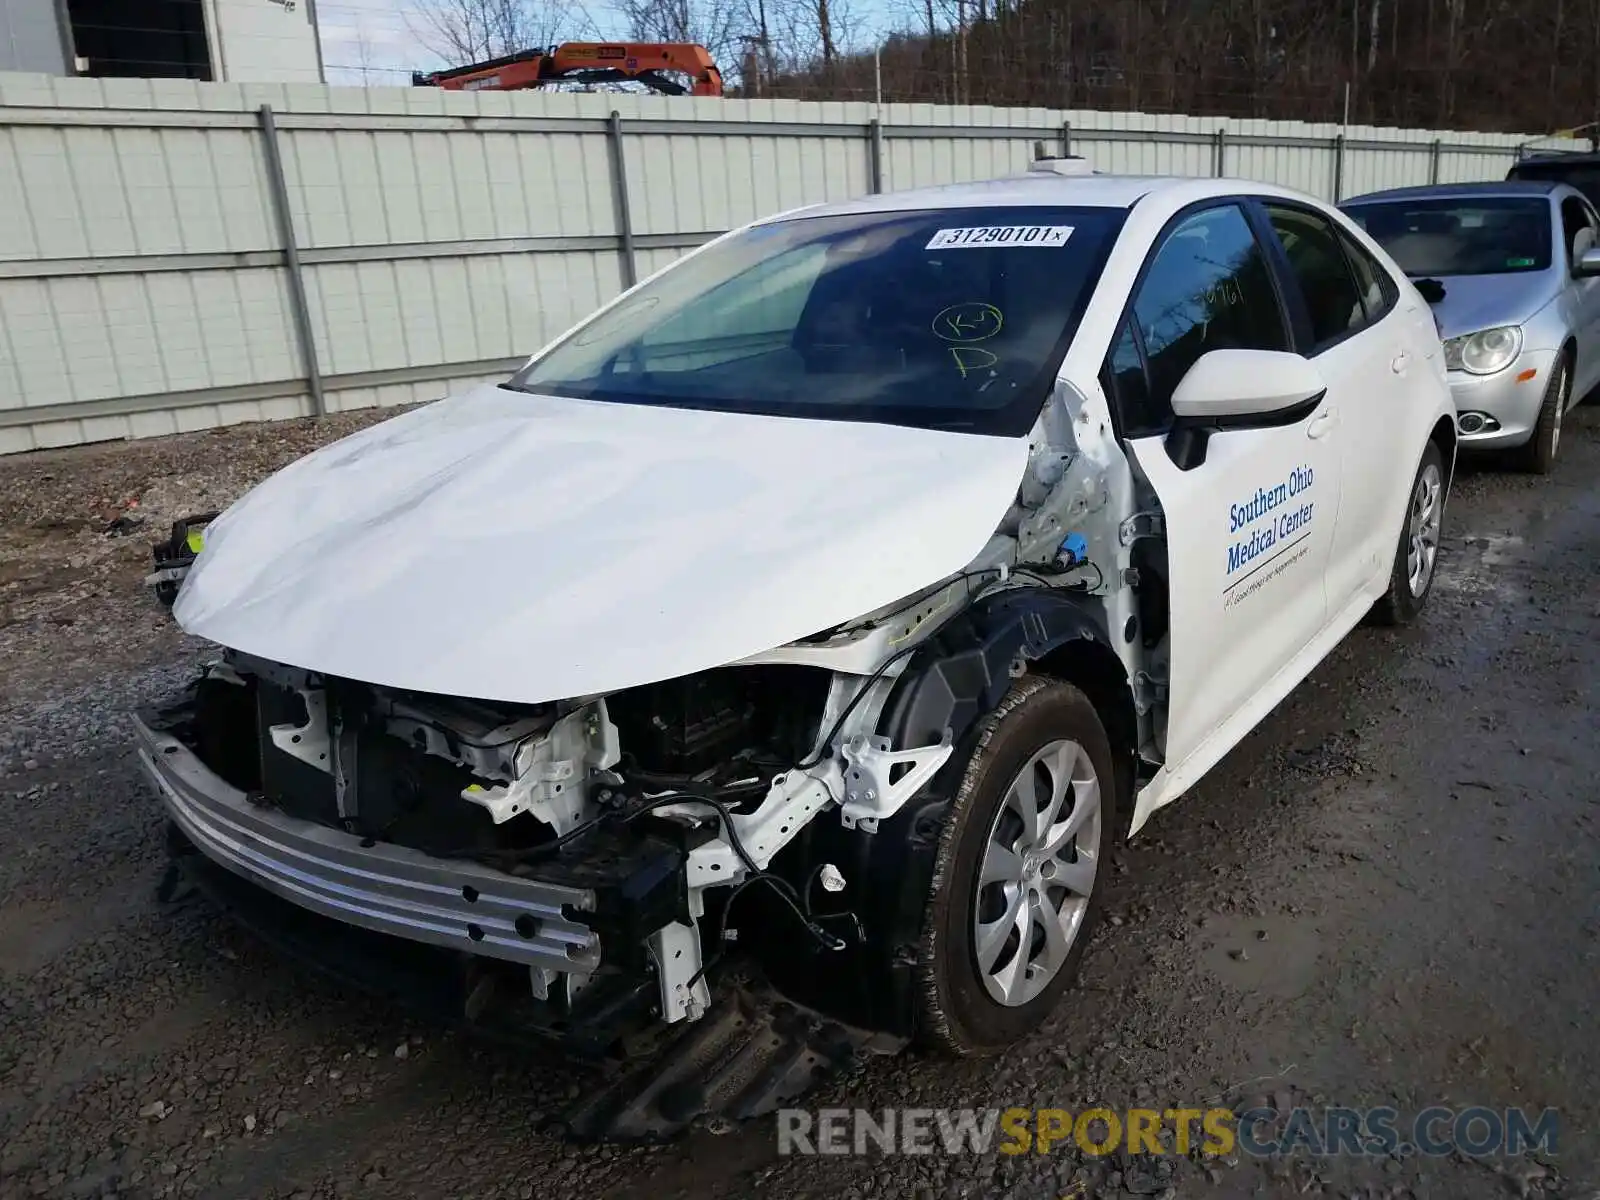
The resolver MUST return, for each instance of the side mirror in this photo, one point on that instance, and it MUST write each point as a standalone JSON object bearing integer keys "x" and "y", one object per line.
{"x": 1588, "y": 264}
{"x": 1239, "y": 389}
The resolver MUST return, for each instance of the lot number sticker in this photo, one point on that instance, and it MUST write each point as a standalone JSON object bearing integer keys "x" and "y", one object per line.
{"x": 980, "y": 236}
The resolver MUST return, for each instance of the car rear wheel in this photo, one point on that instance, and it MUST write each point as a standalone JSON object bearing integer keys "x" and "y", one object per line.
{"x": 1417, "y": 555}
{"x": 1019, "y": 871}
{"x": 1539, "y": 455}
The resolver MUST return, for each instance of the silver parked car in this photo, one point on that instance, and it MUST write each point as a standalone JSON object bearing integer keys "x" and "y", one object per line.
{"x": 1512, "y": 270}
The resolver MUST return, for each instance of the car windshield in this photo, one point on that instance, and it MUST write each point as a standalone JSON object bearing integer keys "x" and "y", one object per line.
{"x": 948, "y": 319}
{"x": 1460, "y": 236}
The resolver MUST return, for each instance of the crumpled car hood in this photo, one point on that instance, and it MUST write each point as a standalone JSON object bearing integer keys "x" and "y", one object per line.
{"x": 523, "y": 548}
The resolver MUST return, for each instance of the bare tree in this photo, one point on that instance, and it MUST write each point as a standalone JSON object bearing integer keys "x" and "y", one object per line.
{"x": 363, "y": 54}
{"x": 713, "y": 24}
{"x": 1555, "y": 56}
{"x": 761, "y": 41}
{"x": 473, "y": 30}
{"x": 958, "y": 14}
{"x": 773, "y": 35}
{"x": 848, "y": 29}
{"x": 1442, "y": 63}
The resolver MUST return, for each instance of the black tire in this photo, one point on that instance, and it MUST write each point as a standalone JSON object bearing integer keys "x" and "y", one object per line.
{"x": 956, "y": 1015}
{"x": 1403, "y": 603}
{"x": 1539, "y": 454}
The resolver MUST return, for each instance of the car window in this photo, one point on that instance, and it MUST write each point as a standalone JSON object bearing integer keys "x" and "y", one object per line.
{"x": 1318, "y": 265}
{"x": 1468, "y": 235}
{"x": 1207, "y": 288}
{"x": 1131, "y": 387}
{"x": 1577, "y": 234}
{"x": 1379, "y": 291}
{"x": 945, "y": 318}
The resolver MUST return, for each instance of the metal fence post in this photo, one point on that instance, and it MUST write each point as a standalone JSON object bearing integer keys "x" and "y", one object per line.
{"x": 875, "y": 155}
{"x": 1219, "y": 152}
{"x": 1338, "y": 167}
{"x": 1433, "y": 161}
{"x": 1066, "y": 139}
{"x": 291, "y": 260}
{"x": 619, "y": 197}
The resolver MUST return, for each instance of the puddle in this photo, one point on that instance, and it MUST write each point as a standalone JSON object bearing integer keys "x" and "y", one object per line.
{"x": 1479, "y": 566}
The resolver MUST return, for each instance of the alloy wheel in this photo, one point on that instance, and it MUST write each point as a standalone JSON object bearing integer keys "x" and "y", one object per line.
{"x": 1426, "y": 512}
{"x": 1039, "y": 866}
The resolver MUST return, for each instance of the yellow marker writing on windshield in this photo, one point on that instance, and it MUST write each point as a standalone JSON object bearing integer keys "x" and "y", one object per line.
{"x": 972, "y": 358}
{"x": 970, "y": 321}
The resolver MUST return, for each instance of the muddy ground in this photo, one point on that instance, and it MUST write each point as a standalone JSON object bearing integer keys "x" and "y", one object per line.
{"x": 1388, "y": 894}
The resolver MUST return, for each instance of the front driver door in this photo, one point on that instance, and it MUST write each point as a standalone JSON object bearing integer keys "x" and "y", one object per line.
{"x": 1578, "y": 217}
{"x": 1249, "y": 529}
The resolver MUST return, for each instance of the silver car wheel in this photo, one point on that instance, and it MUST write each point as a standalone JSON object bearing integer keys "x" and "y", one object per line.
{"x": 1426, "y": 512}
{"x": 1039, "y": 866}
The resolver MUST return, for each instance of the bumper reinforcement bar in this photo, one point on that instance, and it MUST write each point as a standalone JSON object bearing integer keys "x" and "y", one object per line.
{"x": 389, "y": 889}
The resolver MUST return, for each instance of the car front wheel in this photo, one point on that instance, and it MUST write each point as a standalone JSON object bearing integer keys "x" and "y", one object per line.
{"x": 1019, "y": 872}
{"x": 1416, "y": 557}
{"x": 1539, "y": 454}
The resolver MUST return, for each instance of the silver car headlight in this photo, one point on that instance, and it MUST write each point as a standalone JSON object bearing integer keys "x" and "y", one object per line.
{"x": 1484, "y": 352}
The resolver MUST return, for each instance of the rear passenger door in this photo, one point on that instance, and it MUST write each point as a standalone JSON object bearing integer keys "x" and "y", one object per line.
{"x": 1249, "y": 527}
{"x": 1346, "y": 322}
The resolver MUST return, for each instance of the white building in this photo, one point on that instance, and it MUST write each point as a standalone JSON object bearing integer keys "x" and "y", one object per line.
{"x": 228, "y": 41}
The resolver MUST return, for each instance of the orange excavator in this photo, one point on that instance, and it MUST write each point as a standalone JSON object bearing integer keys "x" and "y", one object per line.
{"x": 651, "y": 63}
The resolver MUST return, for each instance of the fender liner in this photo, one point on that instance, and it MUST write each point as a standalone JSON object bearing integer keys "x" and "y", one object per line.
{"x": 951, "y": 681}
{"x": 966, "y": 668}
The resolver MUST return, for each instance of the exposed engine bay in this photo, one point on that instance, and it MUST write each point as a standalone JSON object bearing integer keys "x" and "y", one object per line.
{"x": 603, "y": 863}
{"x": 450, "y": 777}
{"x": 720, "y": 772}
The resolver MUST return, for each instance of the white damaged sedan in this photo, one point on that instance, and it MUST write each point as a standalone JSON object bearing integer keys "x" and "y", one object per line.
{"x": 768, "y": 668}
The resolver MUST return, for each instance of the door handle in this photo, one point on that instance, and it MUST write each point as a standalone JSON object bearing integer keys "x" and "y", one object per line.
{"x": 1322, "y": 424}
{"x": 1400, "y": 362}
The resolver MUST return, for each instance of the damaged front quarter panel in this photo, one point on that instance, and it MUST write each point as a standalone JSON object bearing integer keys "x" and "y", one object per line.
{"x": 667, "y": 802}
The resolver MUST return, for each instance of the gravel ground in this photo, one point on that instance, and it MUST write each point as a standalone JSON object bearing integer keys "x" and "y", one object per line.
{"x": 75, "y": 533}
{"x": 1387, "y": 895}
